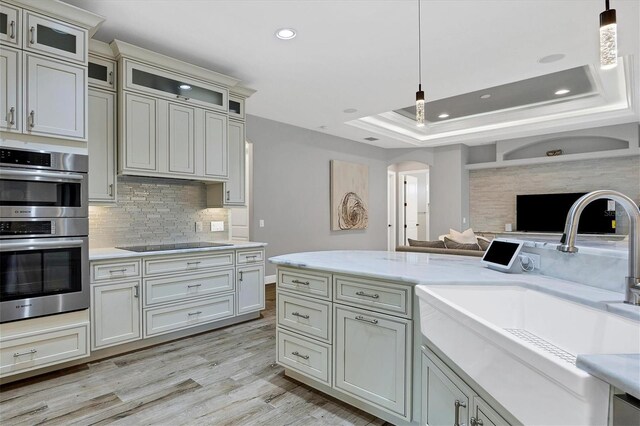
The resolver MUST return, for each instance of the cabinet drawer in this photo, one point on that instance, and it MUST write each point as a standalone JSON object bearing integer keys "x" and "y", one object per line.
{"x": 185, "y": 315}
{"x": 165, "y": 290}
{"x": 312, "y": 318}
{"x": 42, "y": 349}
{"x": 311, "y": 284}
{"x": 187, "y": 263}
{"x": 115, "y": 270}
{"x": 382, "y": 296}
{"x": 304, "y": 356}
{"x": 55, "y": 38}
{"x": 249, "y": 256}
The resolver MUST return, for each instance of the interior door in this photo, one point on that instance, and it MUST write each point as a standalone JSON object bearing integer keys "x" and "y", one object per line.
{"x": 410, "y": 208}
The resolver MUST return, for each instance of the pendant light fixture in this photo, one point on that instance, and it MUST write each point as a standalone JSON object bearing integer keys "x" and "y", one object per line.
{"x": 608, "y": 38}
{"x": 419, "y": 93}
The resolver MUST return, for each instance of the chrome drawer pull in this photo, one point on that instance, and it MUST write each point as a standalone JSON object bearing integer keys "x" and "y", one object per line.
{"x": 252, "y": 256}
{"x": 111, "y": 78}
{"x": 12, "y": 114}
{"x": 296, "y": 353}
{"x": 182, "y": 97}
{"x": 194, "y": 285}
{"x": 476, "y": 422}
{"x": 373, "y": 296}
{"x": 457, "y": 405}
{"x": 361, "y": 318}
{"x": 31, "y": 352}
{"x": 297, "y": 314}
{"x": 31, "y": 32}
{"x": 194, "y": 263}
{"x": 136, "y": 291}
{"x": 300, "y": 282}
{"x": 12, "y": 32}
{"x": 32, "y": 118}
{"x": 113, "y": 271}
{"x": 194, "y": 313}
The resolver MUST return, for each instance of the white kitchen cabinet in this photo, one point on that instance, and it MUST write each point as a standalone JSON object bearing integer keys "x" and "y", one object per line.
{"x": 10, "y": 19}
{"x": 216, "y": 145}
{"x": 250, "y": 288}
{"x": 55, "y": 98}
{"x": 138, "y": 144}
{"x": 484, "y": 415}
{"x": 181, "y": 139}
{"x": 10, "y": 96}
{"x": 102, "y": 73}
{"x": 101, "y": 144}
{"x": 116, "y": 313}
{"x": 364, "y": 342}
{"x": 444, "y": 402}
{"x": 55, "y": 38}
{"x": 235, "y": 187}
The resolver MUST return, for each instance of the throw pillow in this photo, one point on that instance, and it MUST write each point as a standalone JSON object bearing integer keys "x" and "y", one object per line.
{"x": 483, "y": 243}
{"x": 428, "y": 244}
{"x": 454, "y": 245}
{"x": 466, "y": 237}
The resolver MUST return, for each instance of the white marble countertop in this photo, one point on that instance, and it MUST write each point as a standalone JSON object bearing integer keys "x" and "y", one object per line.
{"x": 619, "y": 370}
{"x": 115, "y": 253}
{"x": 425, "y": 268}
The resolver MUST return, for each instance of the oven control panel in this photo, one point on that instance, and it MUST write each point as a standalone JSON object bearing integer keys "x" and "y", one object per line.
{"x": 39, "y": 227}
{"x": 26, "y": 158}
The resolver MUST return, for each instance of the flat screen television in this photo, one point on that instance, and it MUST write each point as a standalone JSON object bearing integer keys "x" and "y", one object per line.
{"x": 548, "y": 213}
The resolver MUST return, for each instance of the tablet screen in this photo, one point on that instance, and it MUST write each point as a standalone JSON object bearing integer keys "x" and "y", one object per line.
{"x": 500, "y": 252}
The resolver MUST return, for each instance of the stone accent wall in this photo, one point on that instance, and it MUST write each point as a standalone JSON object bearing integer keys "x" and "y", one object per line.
{"x": 492, "y": 192}
{"x": 155, "y": 211}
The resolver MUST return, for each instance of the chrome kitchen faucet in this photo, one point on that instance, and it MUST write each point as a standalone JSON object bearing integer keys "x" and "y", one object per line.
{"x": 568, "y": 240}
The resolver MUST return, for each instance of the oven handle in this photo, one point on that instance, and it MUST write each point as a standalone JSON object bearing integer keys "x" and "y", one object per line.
{"x": 40, "y": 244}
{"x": 59, "y": 176}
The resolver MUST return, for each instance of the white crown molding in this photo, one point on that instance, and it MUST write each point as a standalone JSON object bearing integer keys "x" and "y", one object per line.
{"x": 241, "y": 91}
{"x": 99, "y": 48}
{"x": 63, "y": 11}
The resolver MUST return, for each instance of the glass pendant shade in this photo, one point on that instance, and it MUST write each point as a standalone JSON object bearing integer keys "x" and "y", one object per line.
{"x": 420, "y": 107}
{"x": 608, "y": 39}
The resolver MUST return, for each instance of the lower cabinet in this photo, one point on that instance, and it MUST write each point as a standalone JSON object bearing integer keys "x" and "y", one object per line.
{"x": 42, "y": 342}
{"x": 250, "y": 280}
{"x": 371, "y": 357}
{"x": 116, "y": 312}
{"x": 448, "y": 400}
{"x": 357, "y": 351}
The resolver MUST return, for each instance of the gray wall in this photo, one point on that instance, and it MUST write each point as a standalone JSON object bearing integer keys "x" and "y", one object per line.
{"x": 291, "y": 189}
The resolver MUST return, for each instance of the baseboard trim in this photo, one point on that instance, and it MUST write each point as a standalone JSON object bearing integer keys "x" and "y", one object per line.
{"x": 269, "y": 279}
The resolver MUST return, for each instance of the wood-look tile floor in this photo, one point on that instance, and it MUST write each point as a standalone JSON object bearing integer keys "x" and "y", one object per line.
{"x": 224, "y": 377}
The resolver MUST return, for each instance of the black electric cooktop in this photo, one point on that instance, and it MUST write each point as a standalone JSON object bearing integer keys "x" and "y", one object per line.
{"x": 166, "y": 247}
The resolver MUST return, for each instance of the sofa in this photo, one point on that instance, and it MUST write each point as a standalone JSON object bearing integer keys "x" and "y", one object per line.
{"x": 465, "y": 243}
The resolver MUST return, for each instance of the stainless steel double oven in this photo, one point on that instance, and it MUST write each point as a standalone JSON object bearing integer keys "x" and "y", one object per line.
{"x": 44, "y": 227}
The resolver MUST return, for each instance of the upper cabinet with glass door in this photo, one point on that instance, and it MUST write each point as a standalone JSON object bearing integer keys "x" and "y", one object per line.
{"x": 10, "y": 18}
{"x": 155, "y": 81}
{"x": 54, "y": 38}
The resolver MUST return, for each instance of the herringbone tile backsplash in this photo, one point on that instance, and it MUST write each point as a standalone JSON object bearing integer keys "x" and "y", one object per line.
{"x": 154, "y": 211}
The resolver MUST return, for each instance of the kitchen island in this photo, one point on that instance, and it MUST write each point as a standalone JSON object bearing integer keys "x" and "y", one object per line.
{"x": 349, "y": 325}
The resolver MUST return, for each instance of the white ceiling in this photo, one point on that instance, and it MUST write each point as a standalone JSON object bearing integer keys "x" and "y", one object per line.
{"x": 363, "y": 53}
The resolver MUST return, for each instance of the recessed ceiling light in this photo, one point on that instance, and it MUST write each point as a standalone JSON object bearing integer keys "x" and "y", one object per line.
{"x": 371, "y": 139}
{"x": 443, "y": 115}
{"x": 562, "y": 91}
{"x": 286, "y": 33}
{"x": 185, "y": 87}
{"x": 350, "y": 110}
{"x": 485, "y": 96}
{"x": 551, "y": 58}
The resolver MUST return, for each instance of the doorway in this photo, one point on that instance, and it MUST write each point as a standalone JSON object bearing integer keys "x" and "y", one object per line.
{"x": 409, "y": 201}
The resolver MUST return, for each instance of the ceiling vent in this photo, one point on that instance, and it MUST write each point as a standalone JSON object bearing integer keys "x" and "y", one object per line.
{"x": 371, "y": 139}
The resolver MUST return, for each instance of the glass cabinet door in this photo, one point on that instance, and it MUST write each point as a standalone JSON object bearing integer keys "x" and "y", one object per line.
{"x": 46, "y": 35}
{"x": 102, "y": 73}
{"x": 158, "y": 82}
{"x": 9, "y": 25}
